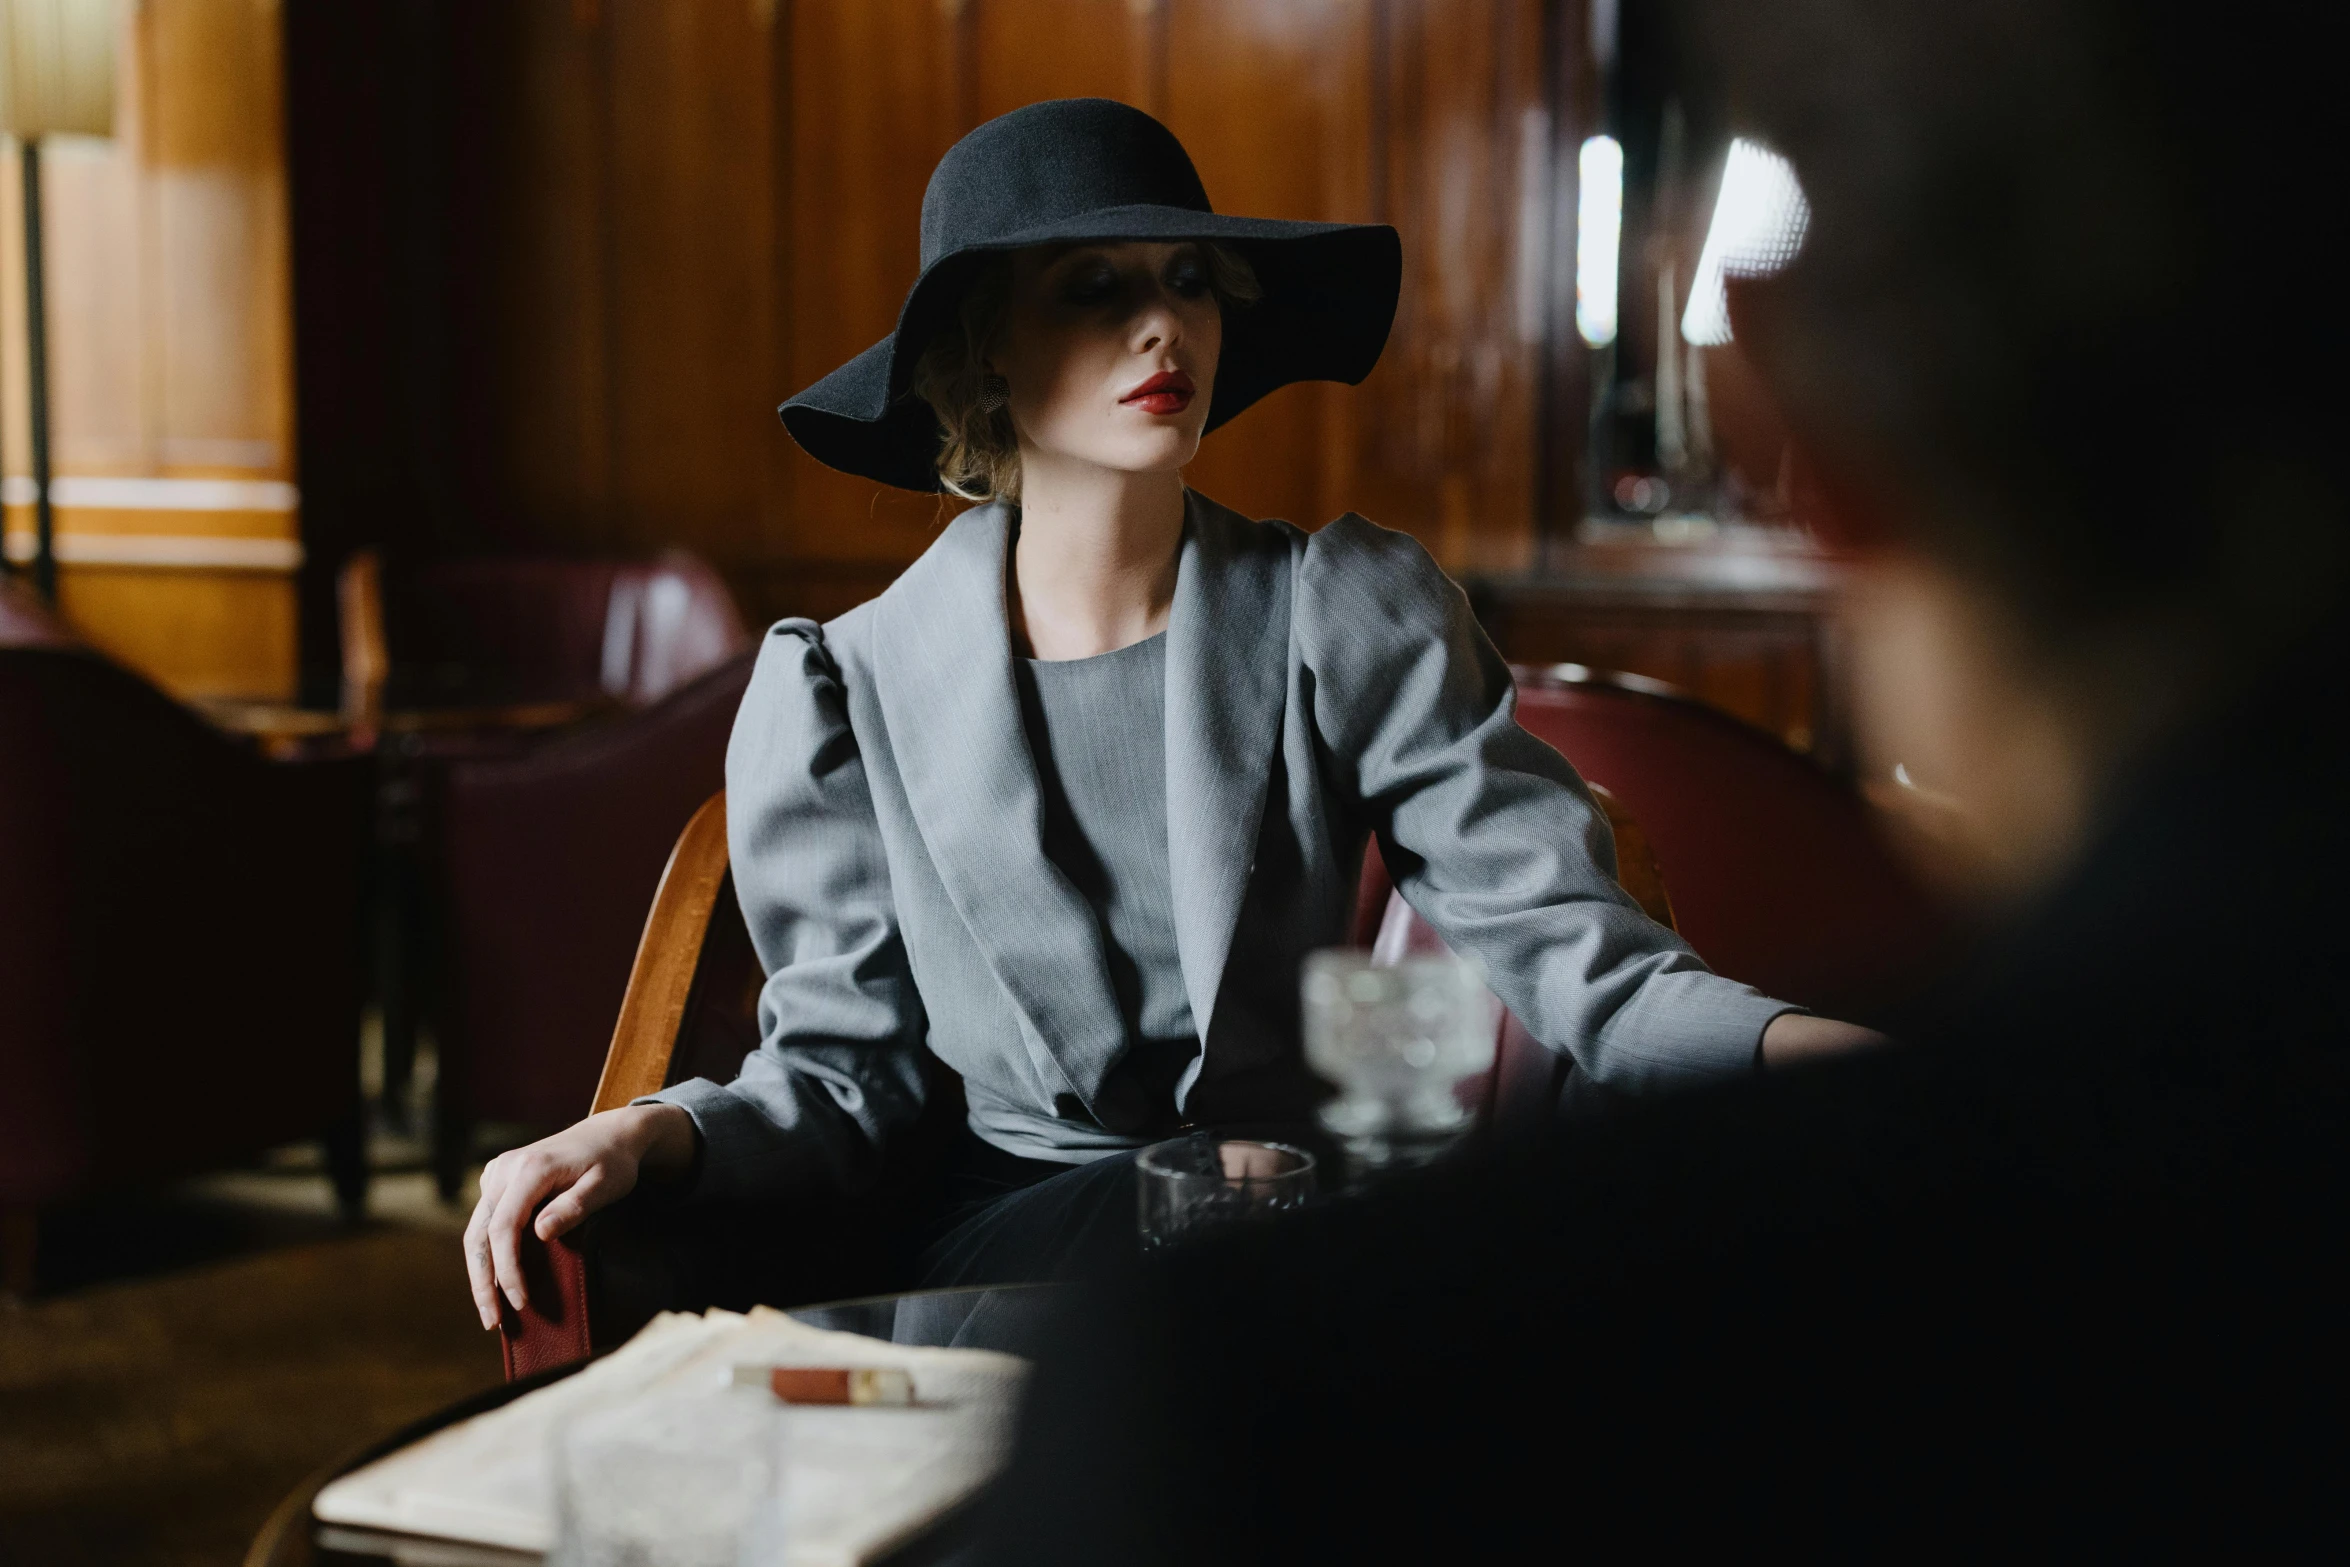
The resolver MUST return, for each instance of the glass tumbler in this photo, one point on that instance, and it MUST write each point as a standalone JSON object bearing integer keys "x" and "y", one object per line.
{"x": 674, "y": 1480}
{"x": 1398, "y": 1041}
{"x": 1198, "y": 1182}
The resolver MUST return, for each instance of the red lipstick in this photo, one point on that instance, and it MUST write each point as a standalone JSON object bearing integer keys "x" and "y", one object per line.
{"x": 1168, "y": 392}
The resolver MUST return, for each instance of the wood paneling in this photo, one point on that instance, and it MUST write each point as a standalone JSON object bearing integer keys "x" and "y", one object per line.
{"x": 170, "y": 351}
{"x": 691, "y": 206}
{"x": 662, "y": 218}
{"x": 1024, "y": 51}
{"x": 876, "y": 96}
{"x": 1451, "y": 416}
{"x": 197, "y": 633}
{"x": 1247, "y": 79}
{"x": 529, "y": 273}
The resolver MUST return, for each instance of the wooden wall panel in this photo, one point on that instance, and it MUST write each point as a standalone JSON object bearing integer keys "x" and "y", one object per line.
{"x": 691, "y": 208}
{"x": 876, "y": 99}
{"x": 166, "y": 254}
{"x": 1025, "y": 51}
{"x": 1448, "y": 449}
{"x": 215, "y": 146}
{"x": 101, "y": 388}
{"x": 529, "y": 272}
{"x": 196, "y": 633}
{"x": 666, "y": 217}
{"x": 1245, "y": 79}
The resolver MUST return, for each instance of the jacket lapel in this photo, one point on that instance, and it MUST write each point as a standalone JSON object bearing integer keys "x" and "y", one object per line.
{"x": 1227, "y": 676}
{"x": 944, "y": 656}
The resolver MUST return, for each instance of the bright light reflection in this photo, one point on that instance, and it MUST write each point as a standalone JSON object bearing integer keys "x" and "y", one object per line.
{"x": 1758, "y": 225}
{"x": 1599, "y": 233}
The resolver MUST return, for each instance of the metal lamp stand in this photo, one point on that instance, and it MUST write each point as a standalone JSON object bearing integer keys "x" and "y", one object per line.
{"x": 36, "y": 342}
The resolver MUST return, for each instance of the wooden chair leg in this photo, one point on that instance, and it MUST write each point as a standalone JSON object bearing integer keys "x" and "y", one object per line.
{"x": 20, "y": 1236}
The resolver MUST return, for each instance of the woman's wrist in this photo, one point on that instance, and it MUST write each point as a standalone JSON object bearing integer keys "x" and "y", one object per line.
{"x": 666, "y": 1140}
{"x": 1793, "y": 1038}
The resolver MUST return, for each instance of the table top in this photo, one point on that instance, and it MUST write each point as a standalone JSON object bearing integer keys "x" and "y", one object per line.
{"x": 1006, "y": 1317}
{"x": 284, "y": 722}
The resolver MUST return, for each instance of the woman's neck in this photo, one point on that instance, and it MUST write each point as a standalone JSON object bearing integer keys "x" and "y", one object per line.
{"x": 1094, "y": 569}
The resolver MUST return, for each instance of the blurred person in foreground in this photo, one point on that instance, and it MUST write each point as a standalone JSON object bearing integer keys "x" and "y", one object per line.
{"x": 2062, "y": 351}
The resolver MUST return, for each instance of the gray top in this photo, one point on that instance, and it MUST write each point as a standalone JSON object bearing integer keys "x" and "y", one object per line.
{"x": 886, "y": 825}
{"x": 1097, "y": 728}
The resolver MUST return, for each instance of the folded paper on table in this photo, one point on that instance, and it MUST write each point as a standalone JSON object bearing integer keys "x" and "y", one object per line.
{"x": 857, "y": 1482}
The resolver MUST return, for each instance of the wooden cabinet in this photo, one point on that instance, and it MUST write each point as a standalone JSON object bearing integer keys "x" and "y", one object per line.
{"x": 1745, "y": 622}
{"x": 659, "y": 218}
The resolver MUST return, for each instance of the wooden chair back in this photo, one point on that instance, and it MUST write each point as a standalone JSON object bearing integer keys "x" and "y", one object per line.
{"x": 367, "y": 659}
{"x": 1636, "y": 869}
{"x": 691, "y": 1005}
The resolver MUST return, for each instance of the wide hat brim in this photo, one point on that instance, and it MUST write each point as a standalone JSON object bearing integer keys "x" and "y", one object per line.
{"x": 1328, "y": 304}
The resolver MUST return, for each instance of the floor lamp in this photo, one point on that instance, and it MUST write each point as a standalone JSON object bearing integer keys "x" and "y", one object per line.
{"x": 56, "y": 78}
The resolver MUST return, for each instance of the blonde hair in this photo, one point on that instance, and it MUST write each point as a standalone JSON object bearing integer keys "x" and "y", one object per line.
{"x": 979, "y": 453}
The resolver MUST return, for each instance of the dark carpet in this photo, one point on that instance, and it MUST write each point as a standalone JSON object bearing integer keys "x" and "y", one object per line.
{"x": 192, "y": 1357}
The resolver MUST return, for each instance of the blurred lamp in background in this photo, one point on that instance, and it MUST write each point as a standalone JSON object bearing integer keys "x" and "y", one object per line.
{"x": 1758, "y": 225}
{"x": 1599, "y": 237}
{"x": 56, "y": 78}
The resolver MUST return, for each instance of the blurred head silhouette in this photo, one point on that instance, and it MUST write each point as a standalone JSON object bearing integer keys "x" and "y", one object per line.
{"x": 2061, "y": 355}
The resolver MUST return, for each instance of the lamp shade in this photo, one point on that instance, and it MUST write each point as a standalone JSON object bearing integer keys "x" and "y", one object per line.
{"x": 57, "y": 67}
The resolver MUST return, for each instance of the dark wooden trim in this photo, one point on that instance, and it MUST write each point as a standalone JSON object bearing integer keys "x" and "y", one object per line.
{"x": 1562, "y": 388}
{"x": 1381, "y": 100}
{"x": 604, "y": 182}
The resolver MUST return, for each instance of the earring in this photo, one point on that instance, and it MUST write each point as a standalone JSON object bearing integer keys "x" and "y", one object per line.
{"x": 994, "y": 392}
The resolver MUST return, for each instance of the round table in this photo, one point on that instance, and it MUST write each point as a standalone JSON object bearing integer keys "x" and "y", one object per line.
{"x": 1007, "y": 1317}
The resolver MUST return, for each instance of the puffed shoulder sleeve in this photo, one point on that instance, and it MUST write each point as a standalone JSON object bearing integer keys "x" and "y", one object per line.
{"x": 838, "y": 1066}
{"x": 1488, "y": 832}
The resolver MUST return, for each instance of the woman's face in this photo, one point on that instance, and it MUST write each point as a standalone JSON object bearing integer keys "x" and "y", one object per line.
{"x": 1110, "y": 353}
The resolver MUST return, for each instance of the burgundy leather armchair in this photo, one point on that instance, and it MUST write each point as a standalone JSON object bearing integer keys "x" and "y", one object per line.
{"x": 1778, "y": 872}
{"x": 547, "y": 628}
{"x": 180, "y": 936}
{"x": 540, "y": 866}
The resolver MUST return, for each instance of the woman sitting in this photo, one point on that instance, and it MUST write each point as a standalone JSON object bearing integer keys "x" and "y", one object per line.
{"x": 1069, "y": 803}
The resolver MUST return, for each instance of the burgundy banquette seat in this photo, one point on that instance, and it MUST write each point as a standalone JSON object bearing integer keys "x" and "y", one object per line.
{"x": 1777, "y": 871}
{"x": 181, "y": 954}
{"x": 543, "y": 864}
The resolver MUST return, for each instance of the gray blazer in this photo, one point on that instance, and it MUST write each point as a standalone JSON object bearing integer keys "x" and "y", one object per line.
{"x": 885, "y": 826}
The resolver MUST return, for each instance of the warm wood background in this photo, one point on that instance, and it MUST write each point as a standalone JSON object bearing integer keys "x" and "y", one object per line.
{"x": 170, "y": 351}
{"x": 532, "y": 274}
{"x": 629, "y": 228}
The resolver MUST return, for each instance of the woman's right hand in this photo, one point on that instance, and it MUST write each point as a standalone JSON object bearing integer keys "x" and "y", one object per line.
{"x": 582, "y": 1168}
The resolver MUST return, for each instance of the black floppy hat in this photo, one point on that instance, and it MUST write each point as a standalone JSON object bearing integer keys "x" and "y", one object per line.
{"x": 1089, "y": 169}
